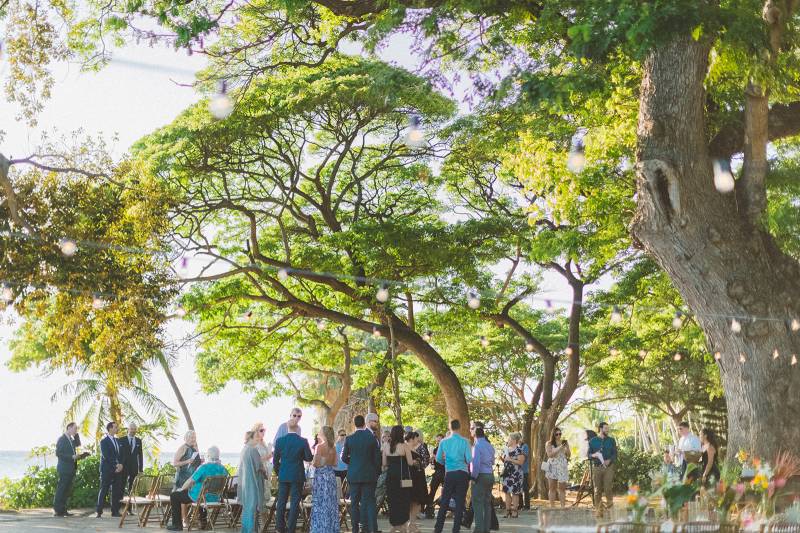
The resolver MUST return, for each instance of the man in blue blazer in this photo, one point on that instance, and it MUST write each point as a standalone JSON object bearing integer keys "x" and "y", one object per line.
{"x": 291, "y": 451}
{"x": 110, "y": 471}
{"x": 363, "y": 457}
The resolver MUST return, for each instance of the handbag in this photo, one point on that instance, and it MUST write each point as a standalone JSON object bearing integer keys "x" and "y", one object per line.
{"x": 546, "y": 466}
{"x": 405, "y": 483}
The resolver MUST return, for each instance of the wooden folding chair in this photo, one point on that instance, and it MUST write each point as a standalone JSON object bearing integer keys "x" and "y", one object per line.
{"x": 344, "y": 503}
{"x": 697, "y": 527}
{"x": 209, "y": 499}
{"x": 783, "y": 527}
{"x": 232, "y": 506}
{"x": 161, "y": 496}
{"x": 139, "y": 499}
{"x": 628, "y": 527}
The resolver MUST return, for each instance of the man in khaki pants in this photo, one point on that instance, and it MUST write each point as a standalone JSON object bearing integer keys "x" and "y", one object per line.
{"x": 603, "y": 455}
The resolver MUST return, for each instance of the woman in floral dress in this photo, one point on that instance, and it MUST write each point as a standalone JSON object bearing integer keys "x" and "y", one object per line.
{"x": 513, "y": 459}
{"x": 324, "y": 497}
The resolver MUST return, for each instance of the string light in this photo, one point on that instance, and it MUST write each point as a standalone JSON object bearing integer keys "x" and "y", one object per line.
{"x": 484, "y": 341}
{"x": 97, "y": 301}
{"x": 736, "y": 326}
{"x": 529, "y": 347}
{"x": 320, "y": 324}
{"x": 677, "y": 356}
{"x": 283, "y": 274}
{"x": 221, "y": 106}
{"x": 415, "y": 136}
{"x": 376, "y": 332}
{"x": 742, "y": 358}
{"x": 717, "y": 356}
{"x": 794, "y": 359}
{"x": 642, "y": 353}
{"x": 616, "y": 315}
{"x": 248, "y": 315}
{"x": 180, "y": 311}
{"x": 576, "y": 161}
{"x": 677, "y": 321}
{"x": 427, "y": 336}
{"x": 614, "y": 352}
{"x": 7, "y": 294}
{"x": 383, "y": 293}
{"x": 68, "y": 247}
{"x": 795, "y": 325}
{"x": 775, "y": 354}
{"x": 568, "y": 350}
{"x": 474, "y": 300}
{"x": 723, "y": 176}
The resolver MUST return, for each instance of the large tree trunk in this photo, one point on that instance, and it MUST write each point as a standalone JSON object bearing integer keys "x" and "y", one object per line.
{"x": 162, "y": 360}
{"x": 723, "y": 265}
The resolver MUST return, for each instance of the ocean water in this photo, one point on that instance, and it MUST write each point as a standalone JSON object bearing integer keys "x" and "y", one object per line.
{"x": 13, "y": 464}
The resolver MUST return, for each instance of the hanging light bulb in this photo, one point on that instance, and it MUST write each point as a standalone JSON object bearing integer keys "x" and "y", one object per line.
{"x": 68, "y": 247}
{"x": 484, "y": 341}
{"x": 474, "y": 300}
{"x": 383, "y": 293}
{"x": 283, "y": 274}
{"x": 320, "y": 324}
{"x": 678, "y": 356}
{"x": 7, "y": 294}
{"x": 677, "y": 320}
{"x": 529, "y": 347}
{"x": 568, "y": 350}
{"x": 775, "y": 353}
{"x": 180, "y": 311}
{"x": 736, "y": 326}
{"x": 742, "y": 358}
{"x": 794, "y": 359}
{"x": 376, "y": 332}
{"x": 795, "y": 325}
{"x": 221, "y": 106}
{"x": 717, "y": 356}
{"x": 415, "y": 136}
{"x": 723, "y": 176}
{"x": 616, "y": 315}
{"x": 548, "y": 306}
{"x": 427, "y": 336}
{"x": 576, "y": 160}
{"x": 614, "y": 352}
{"x": 642, "y": 353}
{"x": 97, "y": 301}
{"x": 248, "y": 315}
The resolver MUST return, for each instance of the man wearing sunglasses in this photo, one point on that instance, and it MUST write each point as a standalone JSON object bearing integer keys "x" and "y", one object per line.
{"x": 290, "y": 426}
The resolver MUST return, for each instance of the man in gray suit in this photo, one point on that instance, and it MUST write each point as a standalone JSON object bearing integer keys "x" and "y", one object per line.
{"x": 67, "y": 465}
{"x": 363, "y": 456}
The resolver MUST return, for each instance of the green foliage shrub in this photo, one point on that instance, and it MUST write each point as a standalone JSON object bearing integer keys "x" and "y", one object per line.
{"x": 38, "y": 486}
{"x": 633, "y": 468}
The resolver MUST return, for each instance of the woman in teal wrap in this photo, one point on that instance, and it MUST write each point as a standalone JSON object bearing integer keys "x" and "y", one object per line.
{"x": 250, "y": 491}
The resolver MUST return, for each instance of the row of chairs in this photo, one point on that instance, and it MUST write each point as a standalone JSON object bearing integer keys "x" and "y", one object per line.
{"x": 693, "y": 527}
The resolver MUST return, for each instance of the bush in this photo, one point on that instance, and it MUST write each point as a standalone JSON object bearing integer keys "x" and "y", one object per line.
{"x": 633, "y": 468}
{"x": 38, "y": 487}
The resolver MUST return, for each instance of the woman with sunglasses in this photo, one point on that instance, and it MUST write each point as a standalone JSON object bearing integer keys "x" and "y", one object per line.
{"x": 557, "y": 467}
{"x": 264, "y": 449}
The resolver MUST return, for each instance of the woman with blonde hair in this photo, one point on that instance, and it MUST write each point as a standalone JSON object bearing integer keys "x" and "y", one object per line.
{"x": 264, "y": 449}
{"x": 186, "y": 460}
{"x": 513, "y": 459}
{"x": 250, "y": 491}
{"x": 324, "y": 495}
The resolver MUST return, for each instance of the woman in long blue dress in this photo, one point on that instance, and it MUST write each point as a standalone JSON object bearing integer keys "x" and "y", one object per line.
{"x": 250, "y": 491}
{"x": 324, "y": 496}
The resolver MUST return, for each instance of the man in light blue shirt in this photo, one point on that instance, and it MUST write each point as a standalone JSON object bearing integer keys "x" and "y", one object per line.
{"x": 454, "y": 452}
{"x": 341, "y": 466}
{"x": 482, "y": 479}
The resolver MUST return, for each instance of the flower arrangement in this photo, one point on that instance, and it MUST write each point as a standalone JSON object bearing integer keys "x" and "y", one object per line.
{"x": 676, "y": 492}
{"x": 637, "y": 504}
{"x": 766, "y": 481}
{"x": 726, "y": 492}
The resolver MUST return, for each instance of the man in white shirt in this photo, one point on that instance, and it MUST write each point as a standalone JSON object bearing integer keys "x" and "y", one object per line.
{"x": 689, "y": 447}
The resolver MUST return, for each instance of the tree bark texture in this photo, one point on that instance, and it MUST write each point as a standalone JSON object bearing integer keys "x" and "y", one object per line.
{"x": 162, "y": 360}
{"x": 723, "y": 264}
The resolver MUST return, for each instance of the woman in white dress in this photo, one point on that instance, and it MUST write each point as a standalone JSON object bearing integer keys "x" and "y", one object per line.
{"x": 557, "y": 471}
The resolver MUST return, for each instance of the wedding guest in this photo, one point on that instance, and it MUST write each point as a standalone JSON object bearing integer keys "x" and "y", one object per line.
{"x": 67, "y": 455}
{"x": 362, "y": 454}
{"x": 436, "y": 479}
{"x": 264, "y": 449}
{"x": 341, "y": 466}
{"x": 455, "y": 453}
{"x": 185, "y": 461}
{"x": 513, "y": 459}
{"x": 689, "y": 447}
{"x": 111, "y": 476}
{"x": 419, "y": 490}
{"x": 132, "y": 455}
{"x": 374, "y": 424}
{"x": 603, "y": 455}
{"x": 292, "y": 425}
{"x": 557, "y": 472}
{"x": 526, "y": 496}
{"x": 290, "y": 454}
{"x": 250, "y": 490}
{"x": 190, "y": 490}
{"x": 324, "y": 512}
{"x": 397, "y": 461}
{"x": 482, "y": 480}
{"x": 708, "y": 462}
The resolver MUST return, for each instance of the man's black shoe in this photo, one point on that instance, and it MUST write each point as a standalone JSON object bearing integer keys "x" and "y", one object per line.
{"x": 68, "y": 514}
{"x": 60, "y": 514}
{"x": 116, "y": 515}
{"x": 98, "y": 515}
{"x": 174, "y": 528}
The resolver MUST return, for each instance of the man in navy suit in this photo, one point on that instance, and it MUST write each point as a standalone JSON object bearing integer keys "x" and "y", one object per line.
{"x": 363, "y": 457}
{"x": 67, "y": 465}
{"x": 110, "y": 471}
{"x": 291, "y": 451}
{"x": 132, "y": 456}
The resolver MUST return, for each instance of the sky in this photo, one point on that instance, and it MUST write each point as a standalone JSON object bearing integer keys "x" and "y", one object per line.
{"x": 129, "y": 101}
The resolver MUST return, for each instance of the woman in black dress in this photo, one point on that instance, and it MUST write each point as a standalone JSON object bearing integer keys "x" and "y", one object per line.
{"x": 708, "y": 461}
{"x": 419, "y": 492}
{"x": 396, "y": 461}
